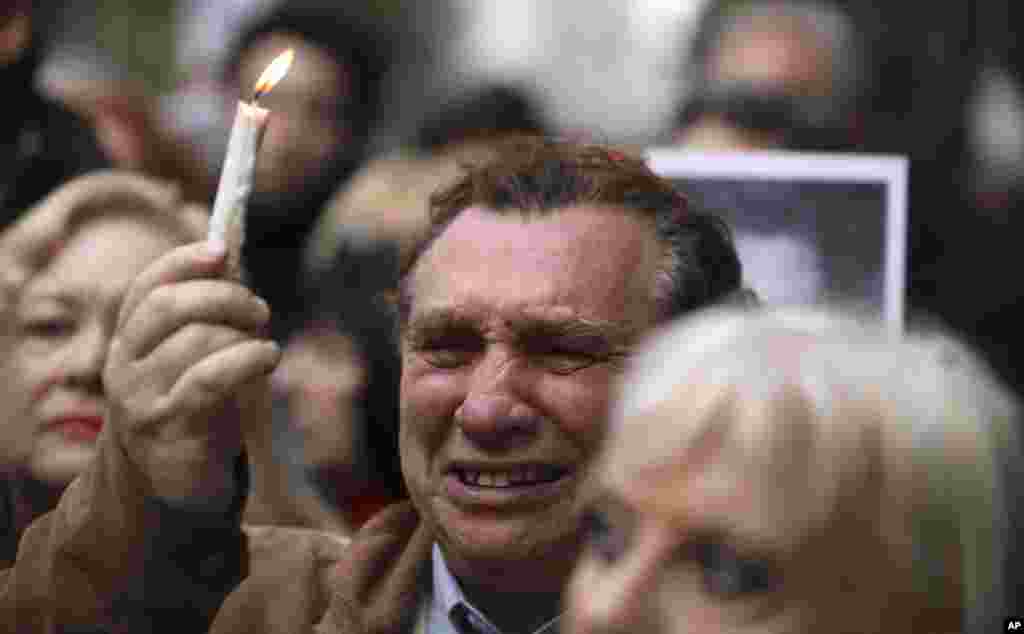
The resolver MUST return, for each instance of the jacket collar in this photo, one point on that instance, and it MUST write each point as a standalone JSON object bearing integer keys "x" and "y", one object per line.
{"x": 379, "y": 584}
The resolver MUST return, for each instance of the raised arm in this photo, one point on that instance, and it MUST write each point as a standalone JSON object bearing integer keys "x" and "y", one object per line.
{"x": 148, "y": 538}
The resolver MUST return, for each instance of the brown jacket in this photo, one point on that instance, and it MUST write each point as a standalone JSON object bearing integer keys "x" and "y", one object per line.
{"x": 374, "y": 586}
{"x": 110, "y": 559}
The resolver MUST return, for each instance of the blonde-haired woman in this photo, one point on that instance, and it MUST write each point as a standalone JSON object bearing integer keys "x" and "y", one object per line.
{"x": 67, "y": 264}
{"x": 798, "y": 470}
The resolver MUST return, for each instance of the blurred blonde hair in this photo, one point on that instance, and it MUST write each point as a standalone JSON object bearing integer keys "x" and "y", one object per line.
{"x": 118, "y": 192}
{"x": 124, "y": 192}
{"x": 820, "y": 403}
{"x": 128, "y": 125}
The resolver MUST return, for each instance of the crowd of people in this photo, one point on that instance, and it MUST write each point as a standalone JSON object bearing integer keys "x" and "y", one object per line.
{"x": 496, "y": 381}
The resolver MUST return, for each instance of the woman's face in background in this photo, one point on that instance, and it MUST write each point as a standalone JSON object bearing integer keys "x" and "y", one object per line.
{"x": 64, "y": 322}
{"x": 322, "y": 376}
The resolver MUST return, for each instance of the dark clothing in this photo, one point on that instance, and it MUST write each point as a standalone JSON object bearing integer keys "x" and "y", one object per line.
{"x": 10, "y": 535}
{"x": 110, "y": 559}
{"x": 376, "y": 584}
{"x": 42, "y": 144}
{"x": 277, "y": 226}
{"x": 22, "y": 500}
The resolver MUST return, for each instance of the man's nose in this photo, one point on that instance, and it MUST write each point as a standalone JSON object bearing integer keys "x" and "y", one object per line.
{"x": 494, "y": 416}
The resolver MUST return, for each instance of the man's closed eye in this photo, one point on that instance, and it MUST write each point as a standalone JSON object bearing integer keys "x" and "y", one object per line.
{"x": 447, "y": 353}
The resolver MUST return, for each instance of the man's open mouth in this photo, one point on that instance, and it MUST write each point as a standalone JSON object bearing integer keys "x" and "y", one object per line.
{"x": 527, "y": 475}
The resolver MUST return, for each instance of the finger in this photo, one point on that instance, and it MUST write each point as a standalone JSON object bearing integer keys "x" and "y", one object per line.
{"x": 192, "y": 261}
{"x": 172, "y": 307}
{"x": 222, "y": 375}
{"x": 184, "y": 349}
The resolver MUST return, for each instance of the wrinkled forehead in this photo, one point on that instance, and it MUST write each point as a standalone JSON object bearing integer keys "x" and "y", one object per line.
{"x": 599, "y": 262}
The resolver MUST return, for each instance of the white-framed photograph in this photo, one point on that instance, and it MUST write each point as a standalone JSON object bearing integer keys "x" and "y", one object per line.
{"x": 808, "y": 227}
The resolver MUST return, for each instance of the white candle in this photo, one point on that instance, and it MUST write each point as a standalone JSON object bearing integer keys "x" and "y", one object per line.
{"x": 236, "y": 177}
{"x": 237, "y": 174}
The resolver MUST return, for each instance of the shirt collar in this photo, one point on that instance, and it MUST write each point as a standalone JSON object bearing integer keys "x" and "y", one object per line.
{"x": 448, "y": 595}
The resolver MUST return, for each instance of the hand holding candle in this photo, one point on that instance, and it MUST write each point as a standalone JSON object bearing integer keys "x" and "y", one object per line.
{"x": 227, "y": 222}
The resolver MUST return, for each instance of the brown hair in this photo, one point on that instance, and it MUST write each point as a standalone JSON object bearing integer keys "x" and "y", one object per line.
{"x": 531, "y": 175}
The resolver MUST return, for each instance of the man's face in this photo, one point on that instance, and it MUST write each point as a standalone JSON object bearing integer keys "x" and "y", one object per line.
{"x": 516, "y": 332}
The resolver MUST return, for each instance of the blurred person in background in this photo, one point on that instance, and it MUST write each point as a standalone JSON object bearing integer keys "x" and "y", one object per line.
{"x": 387, "y": 199}
{"x": 323, "y": 112}
{"x": 776, "y": 74}
{"x": 488, "y": 111}
{"x": 198, "y": 107}
{"x": 338, "y": 382}
{"x": 799, "y": 471}
{"x": 989, "y": 172}
{"x": 42, "y": 144}
{"x": 128, "y": 126}
{"x": 99, "y": 232}
{"x": 841, "y": 75}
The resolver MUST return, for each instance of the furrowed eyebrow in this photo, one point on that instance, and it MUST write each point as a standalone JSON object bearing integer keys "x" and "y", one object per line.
{"x": 423, "y": 327}
{"x": 597, "y": 336}
{"x": 588, "y": 335}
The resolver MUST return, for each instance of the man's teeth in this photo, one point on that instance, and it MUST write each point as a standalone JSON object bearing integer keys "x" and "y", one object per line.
{"x": 523, "y": 476}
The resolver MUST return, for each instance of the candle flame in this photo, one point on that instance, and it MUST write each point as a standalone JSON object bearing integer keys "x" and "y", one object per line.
{"x": 274, "y": 72}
